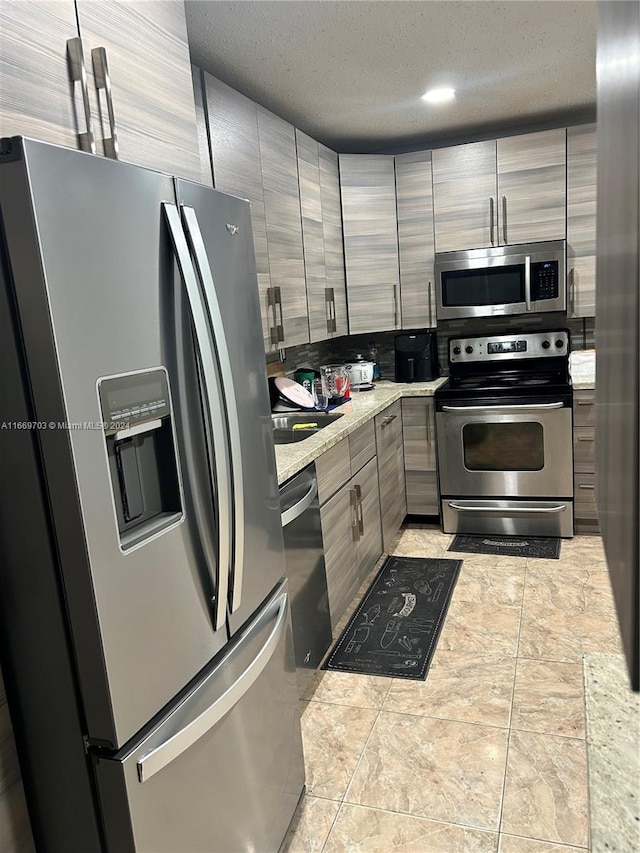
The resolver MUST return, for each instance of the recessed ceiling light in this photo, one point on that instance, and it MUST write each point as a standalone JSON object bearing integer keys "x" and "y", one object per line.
{"x": 439, "y": 96}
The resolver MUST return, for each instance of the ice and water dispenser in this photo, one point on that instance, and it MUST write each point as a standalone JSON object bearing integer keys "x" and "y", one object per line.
{"x": 143, "y": 466}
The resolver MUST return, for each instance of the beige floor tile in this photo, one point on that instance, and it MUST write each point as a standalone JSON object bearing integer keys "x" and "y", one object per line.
{"x": 421, "y": 543}
{"x": 344, "y": 688}
{"x": 513, "y": 844}
{"x": 549, "y": 698}
{"x": 461, "y": 687}
{"x": 374, "y": 831}
{"x": 490, "y": 584}
{"x": 589, "y": 549}
{"x": 333, "y": 737}
{"x": 546, "y": 789}
{"x": 490, "y": 561}
{"x": 310, "y": 826}
{"x": 550, "y": 587}
{"x": 564, "y": 636}
{"x": 475, "y": 628}
{"x": 433, "y": 768}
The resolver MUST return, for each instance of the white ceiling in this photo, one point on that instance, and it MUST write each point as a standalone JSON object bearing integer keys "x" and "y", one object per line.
{"x": 351, "y": 73}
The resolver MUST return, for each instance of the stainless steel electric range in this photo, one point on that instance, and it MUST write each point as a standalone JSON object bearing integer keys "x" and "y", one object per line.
{"x": 504, "y": 426}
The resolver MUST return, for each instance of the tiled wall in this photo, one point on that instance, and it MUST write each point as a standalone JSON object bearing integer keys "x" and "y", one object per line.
{"x": 346, "y": 348}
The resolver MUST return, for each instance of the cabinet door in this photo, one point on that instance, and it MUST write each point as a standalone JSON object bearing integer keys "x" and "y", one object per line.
{"x": 319, "y": 308}
{"x": 333, "y": 238}
{"x": 369, "y": 544}
{"x": 235, "y": 158}
{"x": 420, "y": 455}
{"x": 464, "y": 191}
{"x": 339, "y": 531}
{"x": 532, "y": 194}
{"x": 391, "y": 479}
{"x": 36, "y": 95}
{"x": 581, "y": 220}
{"x": 150, "y": 69}
{"x": 414, "y": 195}
{"x": 201, "y": 126}
{"x": 367, "y": 187}
{"x": 284, "y": 226}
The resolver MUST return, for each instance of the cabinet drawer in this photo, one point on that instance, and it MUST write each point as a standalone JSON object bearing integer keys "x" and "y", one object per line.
{"x": 333, "y": 469}
{"x": 362, "y": 446}
{"x": 584, "y": 408}
{"x": 584, "y": 496}
{"x": 419, "y": 434}
{"x": 584, "y": 449}
{"x": 422, "y": 493}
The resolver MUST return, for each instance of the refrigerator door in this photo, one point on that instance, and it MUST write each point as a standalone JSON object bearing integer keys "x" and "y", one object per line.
{"x": 218, "y": 230}
{"x": 224, "y": 771}
{"x": 92, "y": 268}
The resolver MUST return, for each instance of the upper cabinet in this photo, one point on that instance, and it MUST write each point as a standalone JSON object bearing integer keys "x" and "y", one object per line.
{"x": 333, "y": 239}
{"x": 496, "y": 193}
{"x": 367, "y": 187}
{"x": 110, "y": 77}
{"x": 414, "y": 199}
{"x": 581, "y": 220}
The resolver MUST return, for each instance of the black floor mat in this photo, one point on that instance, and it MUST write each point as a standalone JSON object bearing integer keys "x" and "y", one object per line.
{"x": 396, "y": 626}
{"x": 508, "y": 546}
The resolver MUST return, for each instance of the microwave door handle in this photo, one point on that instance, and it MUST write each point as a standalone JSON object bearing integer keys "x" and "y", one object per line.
{"x": 534, "y": 407}
{"x": 212, "y": 306}
{"x": 213, "y": 411}
{"x": 527, "y": 281}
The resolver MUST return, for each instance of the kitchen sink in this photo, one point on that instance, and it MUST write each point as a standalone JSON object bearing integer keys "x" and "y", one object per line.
{"x": 297, "y": 427}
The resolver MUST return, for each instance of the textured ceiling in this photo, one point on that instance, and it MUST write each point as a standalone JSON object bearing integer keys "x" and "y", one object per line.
{"x": 351, "y": 73}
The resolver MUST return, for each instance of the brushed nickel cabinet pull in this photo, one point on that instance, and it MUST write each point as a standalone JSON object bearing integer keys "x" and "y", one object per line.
{"x": 491, "y": 220}
{"x": 360, "y": 513}
{"x": 504, "y": 219}
{"x": 395, "y": 305}
{"x": 280, "y": 326}
{"x": 355, "y": 527}
{"x": 585, "y": 438}
{"x": 586, "y": 486}
{"x": 78, "y": 72}
{"x": 585, "y": 402}
{"x": 103, "y": 81}
{"x": 330, "y": 313}
{"x": 430, "y": 306}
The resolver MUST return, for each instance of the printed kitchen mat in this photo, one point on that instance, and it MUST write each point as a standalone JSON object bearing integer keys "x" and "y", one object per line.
{"x": 508, "y": 546}
{"x": 396, "y": 626}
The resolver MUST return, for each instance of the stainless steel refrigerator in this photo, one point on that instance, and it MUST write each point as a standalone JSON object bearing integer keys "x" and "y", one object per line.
{"x": 146, "y": 636}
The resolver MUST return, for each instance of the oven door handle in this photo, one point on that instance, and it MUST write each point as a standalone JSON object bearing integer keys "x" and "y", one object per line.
{"x": 506, "y": 510}
{"x": 533, "y": 407}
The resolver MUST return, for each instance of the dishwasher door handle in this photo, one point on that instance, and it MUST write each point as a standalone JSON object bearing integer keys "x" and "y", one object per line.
{"x": 304, "y": 503}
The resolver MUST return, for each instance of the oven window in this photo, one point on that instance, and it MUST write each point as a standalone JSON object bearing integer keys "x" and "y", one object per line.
{"x": 503, "y": 447}
{"x": 489, "y": 286}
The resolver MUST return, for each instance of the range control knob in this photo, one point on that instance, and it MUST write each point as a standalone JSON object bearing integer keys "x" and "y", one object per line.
{"x": 559, "y": 343}
{"x": 457, "y": 350}
{"x": 546, "y": 344}
{"x": 468, "y": 349}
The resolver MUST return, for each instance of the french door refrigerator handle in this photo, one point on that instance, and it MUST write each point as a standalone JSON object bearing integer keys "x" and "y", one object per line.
{"x": 157, "y": 758}
{"x": 215, "y": 416}
{"x": 507, "y": 510}
{"x": 304, "y": 503}
{"x": 535, "y": 407}
{"x": 196, "y": 242}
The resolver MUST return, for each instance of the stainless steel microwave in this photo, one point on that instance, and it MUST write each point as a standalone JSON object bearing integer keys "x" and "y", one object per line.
{"x": 524, "y": 279}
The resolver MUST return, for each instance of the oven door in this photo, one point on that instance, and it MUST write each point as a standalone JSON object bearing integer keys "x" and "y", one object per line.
{"x": 505, "y": 451}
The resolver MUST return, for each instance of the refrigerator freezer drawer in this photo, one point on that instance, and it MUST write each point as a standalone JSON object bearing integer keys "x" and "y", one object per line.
{"x": 223, "y": 771}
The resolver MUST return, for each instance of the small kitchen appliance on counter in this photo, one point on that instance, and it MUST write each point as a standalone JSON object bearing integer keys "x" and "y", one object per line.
{"x": 416, "y": 357}
{"x": 505, "y": 446}
{"x": 361, "y": 374}
{"x": 335, "y": 383}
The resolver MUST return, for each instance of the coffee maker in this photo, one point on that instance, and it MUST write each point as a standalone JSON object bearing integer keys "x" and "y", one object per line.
{"x": 416, "y": 357}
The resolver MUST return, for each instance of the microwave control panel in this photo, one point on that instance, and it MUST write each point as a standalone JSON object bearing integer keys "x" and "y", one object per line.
{"x": 544, "y": 280}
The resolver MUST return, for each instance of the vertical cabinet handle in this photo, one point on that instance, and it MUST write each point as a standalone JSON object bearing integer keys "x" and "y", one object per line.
{"x": 271, "y": 302}
{"x": 279, "y": 326}
{"x": 330, "y": 305}
{"x": 429, "y": 297}
{"x": 428, "y": 413}
{"x": 572, "y": 292}
{"x": 395, "y": 306}
{"x": 504, "y": 219}
{"x": 103, "y": 81}
{"x": 492, "y": 220}
{"x": 355, "y": 527}
{"x": 359, "y": 510}
{"x": 78, "y": 72}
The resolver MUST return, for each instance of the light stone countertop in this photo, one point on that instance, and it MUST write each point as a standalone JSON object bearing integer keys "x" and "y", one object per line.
{"x": 291, "y": 458}
{"x": 582, "y": 367}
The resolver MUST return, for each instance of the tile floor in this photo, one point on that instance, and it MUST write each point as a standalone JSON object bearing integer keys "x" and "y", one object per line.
{"x": 487, "y": 754}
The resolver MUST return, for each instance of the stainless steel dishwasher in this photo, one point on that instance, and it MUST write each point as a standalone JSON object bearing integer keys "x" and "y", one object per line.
{"x": 306, "y": 571}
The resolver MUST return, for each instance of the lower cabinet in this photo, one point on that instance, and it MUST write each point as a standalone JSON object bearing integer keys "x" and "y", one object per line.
{"x": 584, "y": 410}
{"x": 419, "y": 432}
{"x": 391, "y": 478}
{"x": 350, "y": 515}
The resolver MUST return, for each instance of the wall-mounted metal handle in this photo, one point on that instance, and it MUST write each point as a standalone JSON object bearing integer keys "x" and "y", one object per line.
{"x": 386, "y": 420}
{"x": 360, "y": 511}
{"x": 395, "y": 305}
{"x": 532, "y": 408}
{"x": 214, "y": 314}
{"x": 178, "y": 743}
{"x": 507, "y": 510}
{"x": 303, "y": 504}
{"x": 355, "y": 527}
{"x": 527, "y": 281}
{"x": 78, "y": 72}
{"x": 103, "y": 81}
{"x": 214, "y": 416}
{"x": 492, "y": 220}
{"x": 504, "y": 219}
{"x": 429, "y": 297}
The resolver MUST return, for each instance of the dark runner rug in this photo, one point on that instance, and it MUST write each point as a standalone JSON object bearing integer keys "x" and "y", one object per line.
{"x": 396, "y": 626}
{"x": 508, "y": 546}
